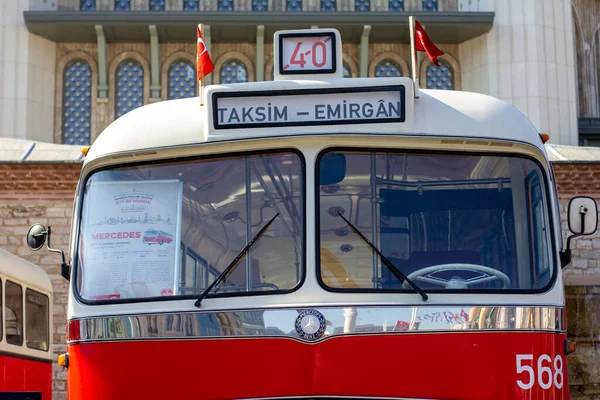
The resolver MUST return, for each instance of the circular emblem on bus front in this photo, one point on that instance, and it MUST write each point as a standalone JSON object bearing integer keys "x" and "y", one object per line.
{"x": 310, "y": 324}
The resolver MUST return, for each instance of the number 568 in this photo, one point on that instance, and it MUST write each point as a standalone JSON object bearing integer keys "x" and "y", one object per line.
{"x": 546, "y": 376}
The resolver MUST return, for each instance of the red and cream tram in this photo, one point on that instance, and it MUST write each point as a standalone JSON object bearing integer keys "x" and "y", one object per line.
{"x": 25, "y": 330}
{"x": 331, "y": 238}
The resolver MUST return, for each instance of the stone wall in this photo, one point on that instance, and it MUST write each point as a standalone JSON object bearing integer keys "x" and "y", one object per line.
{"x": 583, "y": 314}
{"x": 43, "y": 193}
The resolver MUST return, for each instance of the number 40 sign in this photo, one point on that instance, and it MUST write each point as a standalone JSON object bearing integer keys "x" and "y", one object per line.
{"x": 307, "y": 53}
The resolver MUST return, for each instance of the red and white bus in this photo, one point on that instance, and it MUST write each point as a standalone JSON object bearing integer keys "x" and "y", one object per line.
{"x": 157, "y": 237}
{"x": 25, "y": 330}
{"x": 332, "y": 238}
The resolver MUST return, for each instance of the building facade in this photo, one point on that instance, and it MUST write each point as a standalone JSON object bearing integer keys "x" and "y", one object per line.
{"x": 70, "y": 67}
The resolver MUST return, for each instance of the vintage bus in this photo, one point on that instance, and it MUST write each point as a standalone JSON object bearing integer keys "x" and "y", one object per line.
{"x": 157, "y": 237}
{"x": 25, "y": 330}
{"x": 332, "y": 238}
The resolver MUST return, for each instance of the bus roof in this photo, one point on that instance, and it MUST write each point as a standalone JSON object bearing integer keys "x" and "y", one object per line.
{"x": 435, "y": 113}
{"x": 23, "y": 271}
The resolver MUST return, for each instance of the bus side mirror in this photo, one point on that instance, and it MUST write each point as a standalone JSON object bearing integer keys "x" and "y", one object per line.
{"x": 582, "y": 218}
{"x": 37, "y": 236}
{"x": 583, "y": 215}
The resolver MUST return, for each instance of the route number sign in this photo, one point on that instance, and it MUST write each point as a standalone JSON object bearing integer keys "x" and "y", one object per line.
{"x": 307, "y": 53}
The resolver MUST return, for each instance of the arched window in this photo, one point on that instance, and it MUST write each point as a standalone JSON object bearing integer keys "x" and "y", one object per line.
{"x": 387, "y": 68}
{"x": 430, "y": 5}
{"x": 362, "y": 5}
{"x": 234, "y": 71}
{"x": 77, "y": 103}
{"x": 191, "y": 5}
{"x": 122, "y": 5}
{"x": 225, "y": 5}
{"x": 260, "y": 5}
{"x": 182, "y": 80}
{"x": 347, "y": 71}
{"x": 440, "y": 77}
{"x": 87, "y": 5}
{"x": 157, "y": 5}
{"x": 294, "y": 5}
{"x": 396, "y": 5}
{"x": 130, "y": 87}
{"x": 328, "y": 5}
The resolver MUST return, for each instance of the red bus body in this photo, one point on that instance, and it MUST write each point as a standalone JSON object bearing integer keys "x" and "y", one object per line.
{"x": 21, "y": 375}
{"x": 26, "y": 368}
{"x": 349, "y": 366}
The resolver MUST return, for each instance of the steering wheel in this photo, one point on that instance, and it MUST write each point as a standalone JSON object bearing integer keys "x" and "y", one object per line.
{"x": 456, "y": 282}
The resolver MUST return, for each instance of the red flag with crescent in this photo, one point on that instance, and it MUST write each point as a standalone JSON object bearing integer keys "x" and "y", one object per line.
{"x": 204, "y": 65}
{"x": 423, "y": 43}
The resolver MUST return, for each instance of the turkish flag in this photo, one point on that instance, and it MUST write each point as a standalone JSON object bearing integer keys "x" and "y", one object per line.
{"x": 204, "y": 65}
{"x": 423, "y": 43}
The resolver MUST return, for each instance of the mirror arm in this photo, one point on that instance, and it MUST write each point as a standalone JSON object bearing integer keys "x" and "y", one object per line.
{"x": 65, "y": 269}
{"x": 565, "y": 256}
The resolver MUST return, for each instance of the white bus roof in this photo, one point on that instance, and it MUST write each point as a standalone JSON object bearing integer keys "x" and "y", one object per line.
{"x": 23, "y": 271}
{"x": 434, "y": 113}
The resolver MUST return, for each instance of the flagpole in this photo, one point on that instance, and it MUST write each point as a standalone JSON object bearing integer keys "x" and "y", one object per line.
{"x": 413, "y": 56}
{"x": 201, "y": 91}
{"x": 201, "y": 81}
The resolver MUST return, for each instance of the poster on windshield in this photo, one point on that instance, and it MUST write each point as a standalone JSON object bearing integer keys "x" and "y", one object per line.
{"x": 130, "y": 239}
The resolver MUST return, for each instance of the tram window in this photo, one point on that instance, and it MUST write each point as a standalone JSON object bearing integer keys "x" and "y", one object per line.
{"x": 14, "y": 313}
{"x": 37, "y": 325}
{"x": 137, "y": 219}
{"x": 450, "y": 222}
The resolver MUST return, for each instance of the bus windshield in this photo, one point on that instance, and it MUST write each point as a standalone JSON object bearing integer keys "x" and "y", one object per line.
{"x": 447, "y": 221}
{"x": 170, "y": 228}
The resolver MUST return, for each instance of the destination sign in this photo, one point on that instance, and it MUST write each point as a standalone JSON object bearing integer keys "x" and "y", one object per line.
{"x": 358, "y": 105}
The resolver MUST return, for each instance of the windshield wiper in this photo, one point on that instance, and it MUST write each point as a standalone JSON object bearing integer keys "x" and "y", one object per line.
{"x": 235, "y": 262}
{"x": 397, "y": 273}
